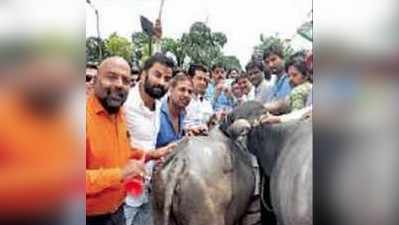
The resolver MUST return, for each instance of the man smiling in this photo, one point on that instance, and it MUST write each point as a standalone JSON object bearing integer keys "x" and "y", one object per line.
{"x": 173, "y": 110}
{"x": 108, "y": 153}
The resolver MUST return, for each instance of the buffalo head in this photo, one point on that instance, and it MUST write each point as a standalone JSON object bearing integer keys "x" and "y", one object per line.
{"x": 239, "y": 122}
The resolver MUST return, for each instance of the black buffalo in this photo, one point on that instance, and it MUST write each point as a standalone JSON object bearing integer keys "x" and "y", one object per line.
{"x": 284, "y": 152}
{"x": 209, "y": 180}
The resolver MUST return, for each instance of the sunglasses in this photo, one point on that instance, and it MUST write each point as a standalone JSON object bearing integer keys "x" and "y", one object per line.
{"x": 89, "y": 78}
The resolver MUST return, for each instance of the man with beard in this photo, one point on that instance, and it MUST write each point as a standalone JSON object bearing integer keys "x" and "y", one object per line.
{"x": 109, "y": 158}
{"x": 274, "y": 59}
{"x": 173, "y": 110}
{"x": 142, "y": 110}
{"x": 200, "y": 110}
{"x": 257, "y": 76}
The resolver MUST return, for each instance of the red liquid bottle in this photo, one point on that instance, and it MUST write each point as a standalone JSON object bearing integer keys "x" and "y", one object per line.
{"x": 134, "y": 186}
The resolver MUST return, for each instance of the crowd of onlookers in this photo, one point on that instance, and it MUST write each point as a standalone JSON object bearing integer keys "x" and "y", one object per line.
{"x": 136, "y": 116}
{"x": 283, "y": 86}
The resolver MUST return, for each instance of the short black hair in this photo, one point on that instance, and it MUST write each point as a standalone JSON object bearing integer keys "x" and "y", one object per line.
{"x": 243, "y": 75}
{"x": 91, "y": 66}
{"x": 196, "y": 67}
{"x": 276, "y": 49}
{"x": 178, "y": 70}
{"x": 255, "y": 65}
{"x": 298, "y": 54}
{"x": 178, "y": 78}
{"x": 259, "y": 65}
{"x": 299, "y": 63}
{"x": 218, "y": 65}
{"x": 158, "y": 58}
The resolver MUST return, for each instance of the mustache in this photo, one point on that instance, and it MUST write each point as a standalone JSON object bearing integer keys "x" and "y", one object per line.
{"x": 116, "y": 95}
{"x": 159, "y": 87}
{"x": 116, "y": 92}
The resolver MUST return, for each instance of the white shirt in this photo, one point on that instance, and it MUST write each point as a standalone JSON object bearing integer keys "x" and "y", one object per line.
{"x": 143, "y": 126}
{"x": 296, "y": 115}
{"x": 264, "y": 89}
{"x": 250, "y": 96}
{"x": 198, "y": 113}
{"x": 273, "y": 79}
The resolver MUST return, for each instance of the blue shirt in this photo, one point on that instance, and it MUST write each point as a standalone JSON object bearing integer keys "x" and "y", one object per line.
{"x": 167, "y": 133}
{"x": 222, "y": 102}
{"x": 210, "y": 91}
{"x": 281, "y": 89}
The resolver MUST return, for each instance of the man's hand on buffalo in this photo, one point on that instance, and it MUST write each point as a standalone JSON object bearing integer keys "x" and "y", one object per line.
{"x": 161, "y": 152}
{"x": 270, "y": 119}
{"x": 278, "y": 107}
{"x": 197, "y": 131}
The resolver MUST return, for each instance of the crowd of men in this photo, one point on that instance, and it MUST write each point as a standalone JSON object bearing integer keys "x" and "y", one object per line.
{"x": 134, "y": 118}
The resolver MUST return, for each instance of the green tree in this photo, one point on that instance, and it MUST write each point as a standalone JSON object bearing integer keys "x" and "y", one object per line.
{"x": 268, "y": 41}
{"x": 119, "y": 46}
{"x": 95, "y": 50}
{"x": 176, "y": 48}
{"x": 199, "y": 45}
{"x": 229, "y": 62}
{"x": 202, "y": 45}
{"x": 141, "y": 50}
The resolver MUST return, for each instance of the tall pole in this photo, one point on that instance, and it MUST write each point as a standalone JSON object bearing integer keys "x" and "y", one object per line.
{"x": 97, "y": 26}
{"x": 98, "y": 23}
{"x": 161, "y": 9}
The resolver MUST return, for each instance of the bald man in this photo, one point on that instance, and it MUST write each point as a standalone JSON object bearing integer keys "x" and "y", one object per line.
{"x": 109, "y": 159}
{"x": 112, "y": 84}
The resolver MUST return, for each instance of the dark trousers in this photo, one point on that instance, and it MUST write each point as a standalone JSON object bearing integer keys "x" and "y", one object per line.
{"x": 117, "y": 218}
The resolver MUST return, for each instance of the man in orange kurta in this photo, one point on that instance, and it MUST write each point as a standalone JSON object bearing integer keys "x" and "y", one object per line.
{"x": 108, "y": 154}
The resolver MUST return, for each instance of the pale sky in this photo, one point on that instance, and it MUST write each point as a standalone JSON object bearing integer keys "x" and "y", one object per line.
{"x": 241, "y": 21}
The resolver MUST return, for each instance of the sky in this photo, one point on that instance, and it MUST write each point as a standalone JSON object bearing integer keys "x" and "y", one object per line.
{"x": 241, "y": 21}
{"x": 31, "y": 17}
